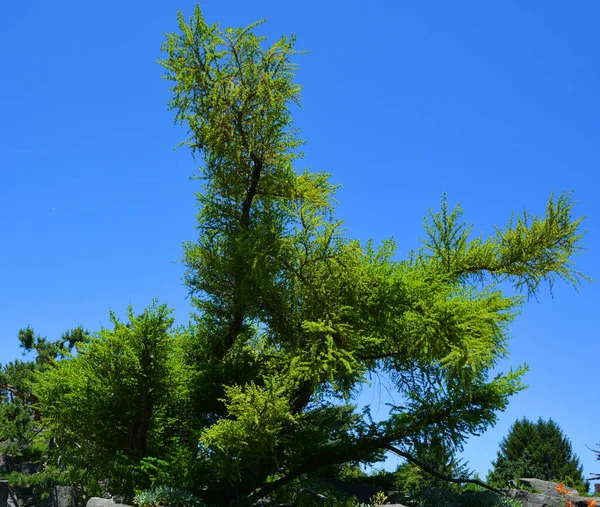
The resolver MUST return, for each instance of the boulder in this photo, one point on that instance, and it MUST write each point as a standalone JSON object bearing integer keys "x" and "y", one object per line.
{"x": 546, "y": 487}
{"x": 23, "y": 496}
{"x": 549, "y": 496}
{"x": 62, "y": 496}
{"x": 13, "y": 500}
{"x": 529, "y": 499}
{"x": 104, "y": 502}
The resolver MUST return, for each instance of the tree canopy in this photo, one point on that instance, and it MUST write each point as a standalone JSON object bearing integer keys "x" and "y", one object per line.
{"x": 292, "y": 316}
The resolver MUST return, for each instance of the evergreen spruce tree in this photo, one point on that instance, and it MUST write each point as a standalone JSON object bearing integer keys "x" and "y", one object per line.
{"x": 539, "y": 450}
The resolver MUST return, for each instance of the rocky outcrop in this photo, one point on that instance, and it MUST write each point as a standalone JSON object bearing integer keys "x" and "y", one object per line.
{"x": 547, "y": 487}
{"x": 19, "y": 496}
{"x": 62, "y": 496}
{"x": 548, "y": 496}
{"x": 23, "y": 496}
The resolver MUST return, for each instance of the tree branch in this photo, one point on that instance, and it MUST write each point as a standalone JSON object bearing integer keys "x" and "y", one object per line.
{"x": 437, "y": 474}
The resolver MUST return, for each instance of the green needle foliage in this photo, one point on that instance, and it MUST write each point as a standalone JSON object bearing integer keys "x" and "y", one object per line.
{"x": 540, "y": 450}
{"x": 291, "y": 315}
{"x": 20, "y": 430}
{"x": 18, "y": 426}
{"x": 117, "y": 410}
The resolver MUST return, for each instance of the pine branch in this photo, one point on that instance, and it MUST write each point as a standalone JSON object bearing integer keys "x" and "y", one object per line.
{"x": 439, "y": 475}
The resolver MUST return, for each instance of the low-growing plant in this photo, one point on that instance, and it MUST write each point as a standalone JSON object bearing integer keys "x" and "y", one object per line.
{"x": 426, "y": 497}
{"x": 378, "y": 499}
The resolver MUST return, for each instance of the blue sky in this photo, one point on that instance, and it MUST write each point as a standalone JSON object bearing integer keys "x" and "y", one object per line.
{"x": 495, "y": 103}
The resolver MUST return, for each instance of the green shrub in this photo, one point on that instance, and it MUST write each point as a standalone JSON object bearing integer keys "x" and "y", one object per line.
{"x": 167, "y": 496}
{"x": 426, "y": 497}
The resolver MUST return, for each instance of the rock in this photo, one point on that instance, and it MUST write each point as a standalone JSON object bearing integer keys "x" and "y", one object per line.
{"x": 12, "y": 499}
{"x": 29, "y": 468}
{"x": 104, "y": 502}
{"x": 546, "y": 499}
{"x": 529, "y": 499}
{"x": 23, "y": 496}
{"x": 4, "y": 463}
{"x": 546, "y": 487}
{"x": 3, "y": 493}
{"x": 62, "y": 496}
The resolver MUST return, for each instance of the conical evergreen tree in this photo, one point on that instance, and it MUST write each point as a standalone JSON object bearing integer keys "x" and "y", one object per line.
{"x": 539, "y": 450}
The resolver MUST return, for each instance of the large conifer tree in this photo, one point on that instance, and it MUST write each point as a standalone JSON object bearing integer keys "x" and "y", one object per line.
{"x": 293, "y": 316}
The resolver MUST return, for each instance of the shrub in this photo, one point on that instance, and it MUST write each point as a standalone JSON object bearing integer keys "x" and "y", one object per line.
{"x": 167, "y": 496}
{"x": 426, "y": 497}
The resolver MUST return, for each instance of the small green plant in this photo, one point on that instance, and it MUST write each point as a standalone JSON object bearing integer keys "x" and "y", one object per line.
{"x": 378, "y": 499}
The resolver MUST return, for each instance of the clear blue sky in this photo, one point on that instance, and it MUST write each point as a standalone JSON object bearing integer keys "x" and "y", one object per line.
{"x": 495, "y": 103}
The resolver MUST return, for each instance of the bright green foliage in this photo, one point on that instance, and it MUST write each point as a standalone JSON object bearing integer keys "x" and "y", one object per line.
{"x": 292, "y": 315}
{"x": 120, "y": 402}
{"x": 257, "y": 418}
{"x": 539, "y": 450}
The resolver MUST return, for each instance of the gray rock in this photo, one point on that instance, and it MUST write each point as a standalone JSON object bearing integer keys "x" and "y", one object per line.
{"x": 30, "y": 468}
{"x": 547, "y": 487}
{"x": 62, "y": 496}
{"x": 12, "y": 499}
{"x": 104, "y": 502}
{"x": 23, "y": 496}
{"x": 529, "y": 499}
